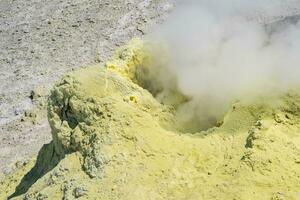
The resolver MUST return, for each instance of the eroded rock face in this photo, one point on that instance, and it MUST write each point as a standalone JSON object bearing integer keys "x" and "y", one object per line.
{"x": 85, "y": 118}
{"x": 113, "y": 140}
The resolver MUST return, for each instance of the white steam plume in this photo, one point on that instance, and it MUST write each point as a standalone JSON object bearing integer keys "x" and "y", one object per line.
{"x": 221, "y": 51}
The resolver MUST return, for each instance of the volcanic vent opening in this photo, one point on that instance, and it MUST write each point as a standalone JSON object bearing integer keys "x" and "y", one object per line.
{"x": 192, "y": 114}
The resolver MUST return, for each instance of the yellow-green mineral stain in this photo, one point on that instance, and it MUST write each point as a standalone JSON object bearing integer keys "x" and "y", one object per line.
{"x": 113, "y": 140}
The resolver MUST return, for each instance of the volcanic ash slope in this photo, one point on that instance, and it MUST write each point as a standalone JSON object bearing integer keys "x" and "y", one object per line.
{"x": 113, "y": 140}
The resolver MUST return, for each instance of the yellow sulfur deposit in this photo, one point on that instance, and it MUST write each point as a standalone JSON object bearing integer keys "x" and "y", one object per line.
{"x": 113, "y": 140}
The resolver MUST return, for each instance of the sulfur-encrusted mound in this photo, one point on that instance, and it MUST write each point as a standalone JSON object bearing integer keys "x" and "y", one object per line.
{"x": 113, "y": 140}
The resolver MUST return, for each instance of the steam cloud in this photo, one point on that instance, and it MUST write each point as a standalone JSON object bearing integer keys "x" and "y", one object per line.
{"x": 221, "y": 51}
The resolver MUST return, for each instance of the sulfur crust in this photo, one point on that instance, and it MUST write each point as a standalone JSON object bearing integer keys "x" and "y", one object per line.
{"x": 113, "y": 140}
